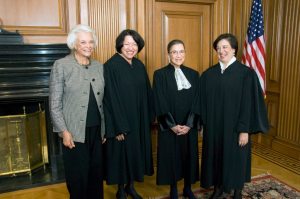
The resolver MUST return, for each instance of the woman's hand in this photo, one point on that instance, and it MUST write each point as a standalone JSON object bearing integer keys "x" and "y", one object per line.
{"x": 183, "y": 130}
{"x": 180, "y": 130}
{"x": 103, "y": 140}
{"x": 175, "y": 129}
{"x": 68, "y": 139}
{"x": 120, "y": 137}
{"x": 243, "y": 139}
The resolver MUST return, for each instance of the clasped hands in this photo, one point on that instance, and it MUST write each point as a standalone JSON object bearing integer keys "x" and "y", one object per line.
{"x": 180, "y": 129}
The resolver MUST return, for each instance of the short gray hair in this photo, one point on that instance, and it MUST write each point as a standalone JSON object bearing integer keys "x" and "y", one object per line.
{"x": 72, "y": 36}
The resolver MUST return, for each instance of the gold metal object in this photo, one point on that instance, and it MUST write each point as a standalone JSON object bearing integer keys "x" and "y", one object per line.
{"x": 23, "y": 143}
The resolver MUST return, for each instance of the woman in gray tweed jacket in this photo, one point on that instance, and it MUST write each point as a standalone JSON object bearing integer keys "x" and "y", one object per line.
{"x": 76, "y": 93}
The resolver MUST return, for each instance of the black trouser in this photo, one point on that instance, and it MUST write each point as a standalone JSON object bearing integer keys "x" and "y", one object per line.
{"x": 84, "y": 166}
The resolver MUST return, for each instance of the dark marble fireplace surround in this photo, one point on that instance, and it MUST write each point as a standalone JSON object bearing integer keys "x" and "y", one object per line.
{"x": 24, "y": 81}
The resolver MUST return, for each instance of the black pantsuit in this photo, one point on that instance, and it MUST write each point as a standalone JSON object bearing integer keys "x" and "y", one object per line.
{"x": 84, "y": 176}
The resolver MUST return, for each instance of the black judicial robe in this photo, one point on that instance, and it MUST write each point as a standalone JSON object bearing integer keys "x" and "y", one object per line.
{"x": 231, "y": 103}
{"x": 128, "y": 109}
{"x": 177, "y": 155}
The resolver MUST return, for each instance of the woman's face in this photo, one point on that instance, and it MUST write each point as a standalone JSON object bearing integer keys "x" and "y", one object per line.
{"x": 130, "y": 48}
{"x": 225, "y": 51}
{"x": 177, "y": 55}
{"x": 85, "y": 44}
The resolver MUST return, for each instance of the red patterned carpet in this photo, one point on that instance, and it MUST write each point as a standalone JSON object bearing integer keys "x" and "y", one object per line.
{"x": 261, "y": 187}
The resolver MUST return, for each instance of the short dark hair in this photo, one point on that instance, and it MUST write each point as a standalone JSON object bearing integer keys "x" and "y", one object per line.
{"x": 136, "y": 37}
{"x": 174, "y": 42}
{"x": 230, "y": 38}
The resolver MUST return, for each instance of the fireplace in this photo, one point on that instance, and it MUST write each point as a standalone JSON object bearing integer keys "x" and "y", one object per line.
{"x": 24, "y": 76}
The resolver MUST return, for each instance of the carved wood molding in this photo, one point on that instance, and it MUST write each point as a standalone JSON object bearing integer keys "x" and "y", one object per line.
{"x": 61, "y": 29}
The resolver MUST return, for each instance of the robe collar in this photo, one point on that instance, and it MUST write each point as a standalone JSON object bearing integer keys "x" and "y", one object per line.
{"x": 223, "y": 67}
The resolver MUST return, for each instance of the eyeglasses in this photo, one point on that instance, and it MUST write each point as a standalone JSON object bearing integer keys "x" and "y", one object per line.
{"x": 175, "y": 52}
{"x": 133, "y": 45}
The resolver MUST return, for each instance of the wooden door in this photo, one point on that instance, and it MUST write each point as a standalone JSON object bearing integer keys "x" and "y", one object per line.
{"x": 188, "y": 22}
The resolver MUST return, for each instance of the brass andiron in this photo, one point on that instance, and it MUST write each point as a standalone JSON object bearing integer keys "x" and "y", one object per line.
{"x": 18, "y": 160}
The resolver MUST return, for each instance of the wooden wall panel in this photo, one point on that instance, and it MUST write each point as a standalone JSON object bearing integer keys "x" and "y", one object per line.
{"x": 104, "y": 17}
{"x": 222, "y": 12}
{"x": 109, "y": 18}
{"x": 288, "y": 126}
{"x": 35, "y": 17}
{"x": 273, "y": 105}
{"x": 239, "y": 19}
{"x": 273, "y": 32}
{"x": 21, "y": 13}
{"x": 40, "y": 21}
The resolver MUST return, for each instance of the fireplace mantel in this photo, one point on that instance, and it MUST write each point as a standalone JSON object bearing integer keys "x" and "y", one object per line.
{"x": 25, "y": 69}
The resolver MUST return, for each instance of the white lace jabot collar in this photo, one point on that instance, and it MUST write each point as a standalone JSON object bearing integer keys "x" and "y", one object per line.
{"x": 181, "y": 80}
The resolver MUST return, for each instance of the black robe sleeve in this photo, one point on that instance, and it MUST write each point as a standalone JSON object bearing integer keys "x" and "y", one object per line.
{"x": 193, "y": 121}
{"x": 253, "y": 114}
{"x": 166, "y": 121}
{"x": 116, "y": 121}
{"x": 164, "y": 116}
{"x": 194, "y": 118}
{"x": 259, "y": 117}
{"x": 150, "y": 99}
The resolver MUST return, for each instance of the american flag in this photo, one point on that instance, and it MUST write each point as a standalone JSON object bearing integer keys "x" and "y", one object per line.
{"x": 254, "y": 47}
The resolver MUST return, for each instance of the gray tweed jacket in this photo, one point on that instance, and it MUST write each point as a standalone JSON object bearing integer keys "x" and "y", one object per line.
{"x": 69, "y": 95}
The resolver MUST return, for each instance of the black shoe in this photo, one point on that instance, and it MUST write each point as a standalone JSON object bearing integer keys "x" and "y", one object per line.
{"x": 121, "y": 193}
{"x": 237, "y": 194}
{"x": 217, "y": 193}
{"x": 187, "y": 193}
{"x": 129, "y": 189}
{"x": 173, "y": 192}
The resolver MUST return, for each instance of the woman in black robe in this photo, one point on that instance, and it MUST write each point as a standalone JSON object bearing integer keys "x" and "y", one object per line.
{"x": 174, "y": 88}
{"x": 128, "y": 110}
{"x": 232, "y": 108}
